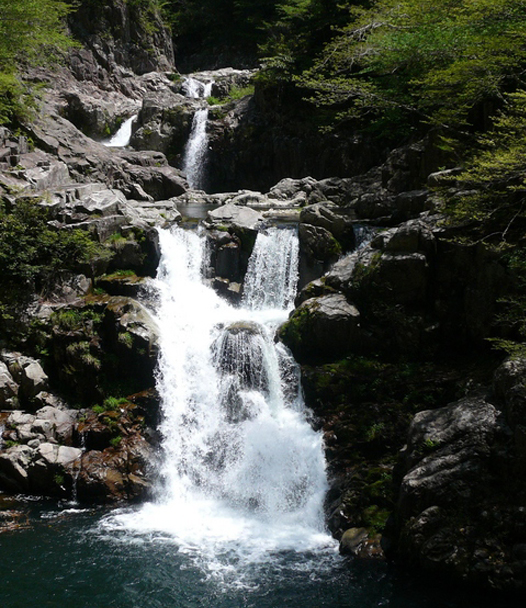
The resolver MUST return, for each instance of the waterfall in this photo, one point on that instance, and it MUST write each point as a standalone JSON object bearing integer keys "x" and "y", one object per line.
{"x": 272, "y": 275}
{"x": 122, "y": 137}
{"x": 196, "y": 147}
{"x": 243, "y": 471}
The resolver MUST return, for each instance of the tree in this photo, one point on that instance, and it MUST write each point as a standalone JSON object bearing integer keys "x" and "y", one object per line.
{"x": 425, "y": 61}
{"x": 31, "y": 31}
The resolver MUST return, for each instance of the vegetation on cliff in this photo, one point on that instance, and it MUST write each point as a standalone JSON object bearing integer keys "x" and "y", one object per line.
{"x": 32, "y": 257}
{"x": 31, "y": 31}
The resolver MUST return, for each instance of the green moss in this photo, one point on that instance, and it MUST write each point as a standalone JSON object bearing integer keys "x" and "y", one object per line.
{"x": 375, "y": 517}
{"x": 58, "y": 479}
{"x": 293, "y": 332}
{"x": 126, "y": 339}
{"x": 119, "y": 274}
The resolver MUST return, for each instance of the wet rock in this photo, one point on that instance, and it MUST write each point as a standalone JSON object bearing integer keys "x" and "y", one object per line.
{"x": 115, "y": 474}
{"x": 164, "y": 123}
{"x": 323, "y": 328}
{"x": 352, "y": 540}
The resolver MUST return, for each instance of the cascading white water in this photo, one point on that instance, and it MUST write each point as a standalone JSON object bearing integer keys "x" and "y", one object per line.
{"x": 122, "y": 137}
{"x": 243, "y": 470}
{"x": 196, "y": 147}
{"x": 272, "y": 275}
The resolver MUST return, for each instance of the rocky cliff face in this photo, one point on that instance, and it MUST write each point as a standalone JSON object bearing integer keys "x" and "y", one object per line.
{"x": 119, "y": 34}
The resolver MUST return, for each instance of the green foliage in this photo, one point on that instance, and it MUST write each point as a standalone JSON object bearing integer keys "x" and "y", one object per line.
{"x": 32, "y": 256}
{"x": 116, "y": 441}
{"x": 495, "y": 176}
{"x": 234, "y": 94}
{"x": 114, "y": 403}
{"x": 126, "y": 339}
{"x": 72, "y": 319}
{"x": 31, "y": 31}
{"x": 59, "y": 479}
{"x": 394, "y": 66}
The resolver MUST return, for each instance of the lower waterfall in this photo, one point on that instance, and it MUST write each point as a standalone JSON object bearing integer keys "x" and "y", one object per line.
{"x": 243, "y": 472}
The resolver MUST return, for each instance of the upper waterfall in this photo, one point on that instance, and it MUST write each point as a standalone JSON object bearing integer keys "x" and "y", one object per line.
{"x": 122, "y": 137}
{"x": 195, "y": 151}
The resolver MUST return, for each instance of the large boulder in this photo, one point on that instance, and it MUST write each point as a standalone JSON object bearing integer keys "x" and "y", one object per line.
{"x": 318, "y": 250}
{"x": 21, "y": 379}
{"x": 324, "y": 328}
{"x": 116, "y": 474}
{"x": 460, "y": 499}
{"x": 446, "y": 456}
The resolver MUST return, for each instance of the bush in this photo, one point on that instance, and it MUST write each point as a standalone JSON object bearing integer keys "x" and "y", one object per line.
{"x": 32, "y": 255}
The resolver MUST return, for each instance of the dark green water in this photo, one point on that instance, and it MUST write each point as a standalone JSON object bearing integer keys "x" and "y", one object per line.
{"x": 64, "y": 559}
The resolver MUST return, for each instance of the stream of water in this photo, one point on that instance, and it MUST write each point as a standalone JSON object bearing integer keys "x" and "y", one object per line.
{"x": 243, "y": 472}
{"x": 194, "y": 158}
{"x": 122, "y": 137}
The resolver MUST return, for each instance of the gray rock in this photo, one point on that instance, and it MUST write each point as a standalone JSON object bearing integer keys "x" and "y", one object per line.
{"x": 318, "y": 250}
{"x": 58, "y": 455}
{"x": 8, "y": 388}
{"x": 129, "y": 317}
{"x": 411, "y": 237}
{"x": 33, "y": 380}
{"x": 447, "y": 456}
{"x": 14, "y": 465}
{"x": 56, "y": 424}
{"x": 240, "y": 217}
{"x": 326, "y": 215}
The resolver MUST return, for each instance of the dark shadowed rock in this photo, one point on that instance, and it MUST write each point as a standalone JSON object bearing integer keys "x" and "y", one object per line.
{"x": 323, "y": 328}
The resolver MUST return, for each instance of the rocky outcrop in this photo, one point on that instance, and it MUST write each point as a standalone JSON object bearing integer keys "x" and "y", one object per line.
{"x": 459, "y": 504}
{"x": 165, "y": 120}
{"x": 22, "y": 380}
{"x": 81, "y": 455}
{"x": 119, "y": 34}
{"x": 101, "y": 346}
